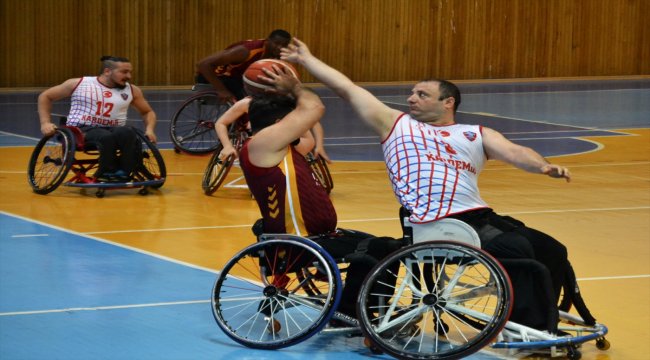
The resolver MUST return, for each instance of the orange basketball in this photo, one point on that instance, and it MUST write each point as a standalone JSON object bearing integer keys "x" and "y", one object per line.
{"x": 253, "y": 85}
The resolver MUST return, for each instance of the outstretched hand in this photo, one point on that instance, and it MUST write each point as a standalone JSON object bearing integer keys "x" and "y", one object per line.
{"x": 295, "y": 51}
{"x": 556, "y": 171}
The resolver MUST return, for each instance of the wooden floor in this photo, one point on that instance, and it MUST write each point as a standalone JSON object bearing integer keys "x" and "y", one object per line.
{"x": 603, "y": 217}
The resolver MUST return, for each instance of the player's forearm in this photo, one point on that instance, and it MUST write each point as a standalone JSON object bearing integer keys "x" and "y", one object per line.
{"x": 329, "y": 76}
{"x": 222, "y": 134}
{"x": 44, "y": 109}
{"x": 149, "y": 119}
{"x": 528, "y": 160}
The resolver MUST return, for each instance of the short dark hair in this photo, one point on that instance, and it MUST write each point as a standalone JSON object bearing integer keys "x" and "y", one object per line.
{"x": 447, "y": 89}
{"x": 266, "y": 110}
{"x": 109, "y": 62}
{"x": 280, "y": 34}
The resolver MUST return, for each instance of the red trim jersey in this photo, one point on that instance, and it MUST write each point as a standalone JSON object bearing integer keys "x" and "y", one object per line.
{"x": 289, "y": 196}
{"x": 93, "y": 104}
{"x": 256, "y": 50}
{"x": 434, "y": 169}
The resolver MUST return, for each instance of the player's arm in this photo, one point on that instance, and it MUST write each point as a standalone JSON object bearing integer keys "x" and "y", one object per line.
{"x": 148, "y": 115}
{"x": 49, "y": 96}
{"x": 319, "y": 137}
{"x": 499, "y": 148}
{"x": 223, "y": 124}
{"x": 375, "y": 113}
{"x": 207, "y": 66}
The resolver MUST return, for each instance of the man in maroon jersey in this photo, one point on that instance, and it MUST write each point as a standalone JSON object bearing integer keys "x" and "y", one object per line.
{"x": 224, "y": 69}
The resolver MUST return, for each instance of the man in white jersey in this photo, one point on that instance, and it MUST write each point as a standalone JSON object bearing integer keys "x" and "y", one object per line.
{"x": 433, "y": 164}
{"x": 99, "y": 105}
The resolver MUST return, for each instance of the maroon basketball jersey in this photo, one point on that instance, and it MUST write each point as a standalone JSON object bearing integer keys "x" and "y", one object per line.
{"x": 289, "y": 196}
{"x": 256, "y": 51}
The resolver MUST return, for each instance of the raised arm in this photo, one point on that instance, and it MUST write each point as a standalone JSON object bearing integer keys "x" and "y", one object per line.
{"x": 269, "y": 146}
{"x": 375, "y": 113}
{"x": 147, "y": 113}
{"x": 223, "y": 124}
{"x": 499, "y": 148}
{"x": 45, "y": 100}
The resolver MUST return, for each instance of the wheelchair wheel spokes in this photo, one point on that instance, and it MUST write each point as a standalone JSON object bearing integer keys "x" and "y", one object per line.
{"x": 448, "y": 301}
{"x": 153, "y": 165}
{"x": 259, "y": 301}
{"x": 192, "y": 126}
{"x": 216, "y": 171}
{"x": 50, "y": 161}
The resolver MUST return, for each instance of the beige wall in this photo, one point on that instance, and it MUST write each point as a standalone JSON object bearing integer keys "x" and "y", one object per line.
{"x": 44, "y": 42}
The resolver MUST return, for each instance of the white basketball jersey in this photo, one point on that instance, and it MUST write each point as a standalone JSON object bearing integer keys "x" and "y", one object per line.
{"x": 93, "y": 104}
{"x": 434, "y": 169}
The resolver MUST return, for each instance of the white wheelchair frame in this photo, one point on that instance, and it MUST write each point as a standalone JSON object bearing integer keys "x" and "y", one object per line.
{"x": 464, "y": 310}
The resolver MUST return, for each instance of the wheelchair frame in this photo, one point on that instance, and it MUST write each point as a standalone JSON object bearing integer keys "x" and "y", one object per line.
{"x": 449, "y": 300}
{"x": 55, "y": 155}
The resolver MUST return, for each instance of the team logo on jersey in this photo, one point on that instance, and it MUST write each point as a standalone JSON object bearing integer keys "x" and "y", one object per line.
{"x": 108, "y": 94}
{"x": 470, "y": 135}
{"x": 444, "y": 133}
{"x": 124, "y": 96}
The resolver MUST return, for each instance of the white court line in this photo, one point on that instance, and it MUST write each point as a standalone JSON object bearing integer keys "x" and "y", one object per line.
{"x": 354, "y": 172}
{"x": 192, "y": 302}
{"x": 356, "y": 220}
{"x": 134, "y": 249}
{"x": 28, "y": 235}
{"x": 20, "y": 136}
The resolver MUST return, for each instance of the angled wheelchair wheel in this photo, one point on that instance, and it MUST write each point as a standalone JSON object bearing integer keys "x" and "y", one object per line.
{"x": 192, "y": 126}
{"x": 321, "y": 171}
{"x": 153, "y": 165}
{"x": 50, "y": 161}
{"x": 216, "y": 171}
{"x": 435, "y": 300}
{"x": 258, "y": 299}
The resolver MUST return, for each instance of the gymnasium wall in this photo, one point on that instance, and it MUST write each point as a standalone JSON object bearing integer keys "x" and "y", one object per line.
{"x": 44, "y": 42}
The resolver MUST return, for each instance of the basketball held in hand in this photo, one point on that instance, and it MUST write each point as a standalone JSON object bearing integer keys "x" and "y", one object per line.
{"x": 253, "y": 85}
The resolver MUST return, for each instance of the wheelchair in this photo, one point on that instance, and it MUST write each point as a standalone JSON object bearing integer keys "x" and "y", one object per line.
{"x": 56, "y": 155}
{"x": 434, "y": 299}
{"x": 192, "y": 125}
{"x": 217, "y": 169}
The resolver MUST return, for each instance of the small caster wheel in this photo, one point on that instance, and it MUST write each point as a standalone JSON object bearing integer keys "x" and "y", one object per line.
{"x": 143, "y": 191}
{"x": 274, "y": 327}
{"x": 602, "y": 344}
{"x": 177, "y": 150}
{"x": 371, "y": 345}
{"x": 573, "y": 353}
{"x": 100, "y": 193}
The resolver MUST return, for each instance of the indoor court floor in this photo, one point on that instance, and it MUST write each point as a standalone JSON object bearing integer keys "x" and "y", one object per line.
{"x": 130, "y": 276}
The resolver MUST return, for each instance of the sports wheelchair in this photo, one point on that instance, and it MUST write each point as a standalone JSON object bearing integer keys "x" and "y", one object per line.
{"x": 55, "y": 155}
{"x": 447, "y": 299}
{"x": 192, "y": 125}
{"x": 217, "y": 169}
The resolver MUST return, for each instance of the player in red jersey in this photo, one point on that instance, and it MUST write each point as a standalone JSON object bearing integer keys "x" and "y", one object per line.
{"x": 224, "y": 69}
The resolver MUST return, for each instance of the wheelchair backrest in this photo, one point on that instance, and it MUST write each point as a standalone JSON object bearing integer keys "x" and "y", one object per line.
{"x": 443, "y": 229}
